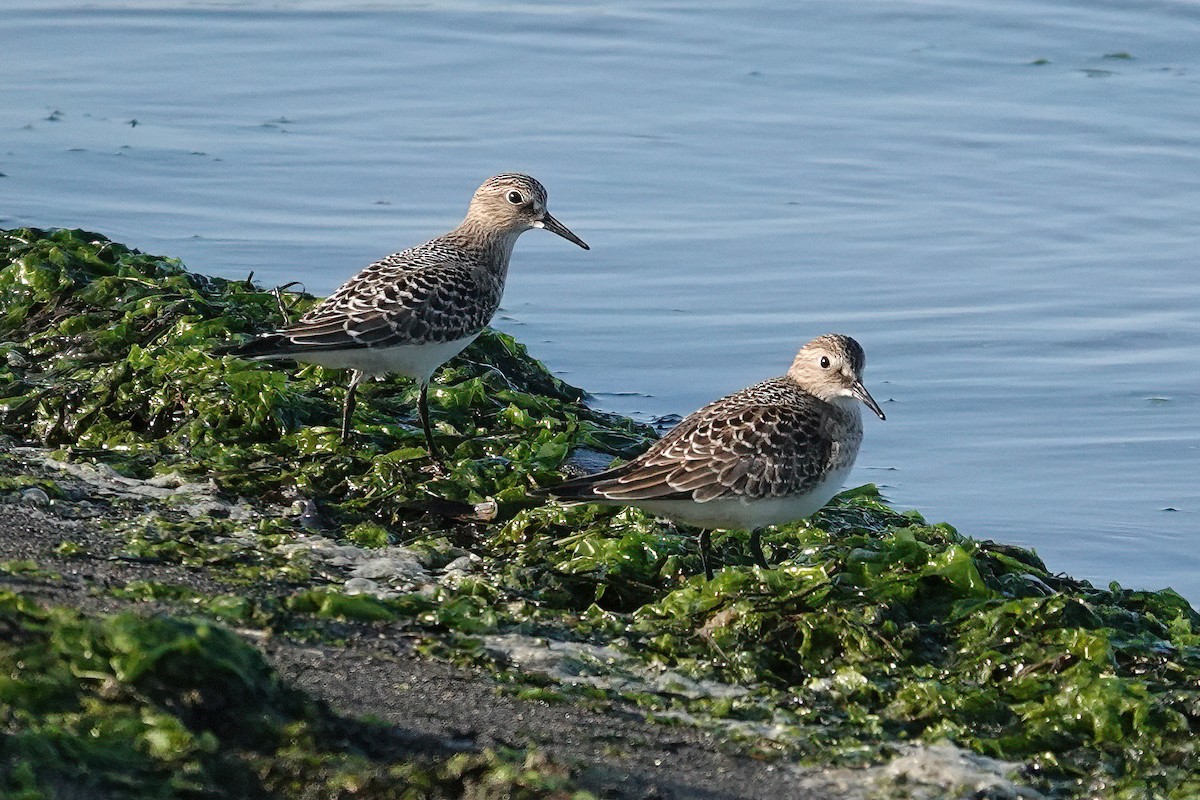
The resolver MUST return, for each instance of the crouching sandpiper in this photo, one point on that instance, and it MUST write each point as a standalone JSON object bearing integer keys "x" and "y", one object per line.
{"x": 775, "y": 452}
{"x": 413, "y": 311}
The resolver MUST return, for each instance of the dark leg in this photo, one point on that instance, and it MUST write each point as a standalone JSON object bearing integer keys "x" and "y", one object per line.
{"x": 756, "y": 548}
{"x": 348, "y": 407}
{"x": 705, "y": 543}
{"x": 423, "y": 413}
{"x": 279, "y": 290}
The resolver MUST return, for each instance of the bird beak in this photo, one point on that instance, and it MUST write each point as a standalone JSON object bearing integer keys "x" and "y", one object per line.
{"x": 554, "y": 226}
{"x": 861, "y": 393}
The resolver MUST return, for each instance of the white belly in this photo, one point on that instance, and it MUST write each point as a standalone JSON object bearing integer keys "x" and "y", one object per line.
{"x": 740, "y": 514}
{"x": 417, "y": 361}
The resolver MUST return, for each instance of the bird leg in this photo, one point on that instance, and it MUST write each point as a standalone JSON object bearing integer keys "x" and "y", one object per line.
{"x": 348, "y": 406}
{"x": 705, "y": 543}
{"x": 278, "y": 292}
{"x": 756, "y": 548}
{"x": 423, "y": 413}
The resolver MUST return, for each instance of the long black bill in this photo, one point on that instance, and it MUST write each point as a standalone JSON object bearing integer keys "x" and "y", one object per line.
{"x": 861, "y": 393}
{"x": 554, "y": 226}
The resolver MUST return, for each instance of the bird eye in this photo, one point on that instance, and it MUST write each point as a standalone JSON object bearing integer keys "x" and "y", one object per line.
{"x": 515, "y": 198}
{"x": 824, "y": 362}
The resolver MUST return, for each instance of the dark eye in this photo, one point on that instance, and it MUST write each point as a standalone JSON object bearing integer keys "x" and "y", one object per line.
{"x": 515, "y": 198}
{"x": 824, "y": 362}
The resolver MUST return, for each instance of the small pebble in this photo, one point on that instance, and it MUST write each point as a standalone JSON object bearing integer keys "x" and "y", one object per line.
{"x": 361, "y": 586}
{"x": 400, "y": 568}
{"x": 33, "y": 496}
{"x": 311, "y": 518}
{"x": 463, "y": 563}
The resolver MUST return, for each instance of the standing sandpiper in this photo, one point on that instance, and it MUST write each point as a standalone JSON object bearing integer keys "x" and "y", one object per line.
{"x": 413, "y": 311}
{"x": 773, "y": 453}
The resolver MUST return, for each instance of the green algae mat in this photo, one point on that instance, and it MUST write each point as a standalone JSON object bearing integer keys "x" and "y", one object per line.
{"x": 876, "y": 630}
{"x": 156, "y": 707}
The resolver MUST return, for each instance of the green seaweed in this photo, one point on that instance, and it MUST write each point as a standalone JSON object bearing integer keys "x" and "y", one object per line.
{"x": 156, "y": 707}
{"x": 924, "y": 634}
{"x": 111, "y": 356}
{"x": 875, "y": 628}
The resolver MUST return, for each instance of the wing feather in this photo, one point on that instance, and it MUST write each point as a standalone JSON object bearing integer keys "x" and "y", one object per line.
{"x": 765, "y": 441}
{"x": 431, "y": 293}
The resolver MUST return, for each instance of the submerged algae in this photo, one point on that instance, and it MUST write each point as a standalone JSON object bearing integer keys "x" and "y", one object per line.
{"x": 875, "y": 630}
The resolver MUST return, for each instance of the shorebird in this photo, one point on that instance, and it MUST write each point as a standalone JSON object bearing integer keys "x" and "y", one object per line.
{"x": 413, "y": 311}
{"x": 773, "y": 453}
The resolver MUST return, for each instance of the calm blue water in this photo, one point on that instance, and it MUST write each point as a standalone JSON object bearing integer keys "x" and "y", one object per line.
{"x": 1001, "y": 201}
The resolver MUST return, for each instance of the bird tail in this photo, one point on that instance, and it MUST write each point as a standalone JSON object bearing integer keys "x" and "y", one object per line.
{"x": 577, "y": 489}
